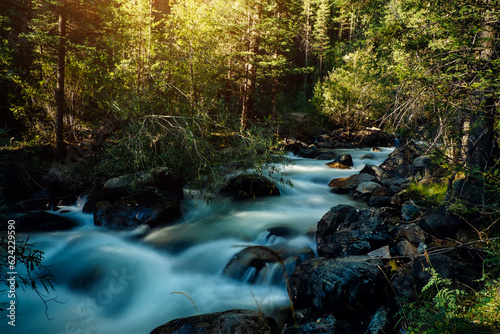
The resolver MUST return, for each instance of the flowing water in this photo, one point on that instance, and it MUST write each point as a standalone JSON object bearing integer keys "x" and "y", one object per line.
{"x": 133, "y": 281}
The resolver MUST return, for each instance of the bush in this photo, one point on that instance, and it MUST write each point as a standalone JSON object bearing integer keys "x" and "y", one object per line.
{"x": 354, "y": 95}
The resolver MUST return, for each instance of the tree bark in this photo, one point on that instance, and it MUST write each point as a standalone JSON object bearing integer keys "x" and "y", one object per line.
{"x": 59, "y": 94}
{"x": 253, "y": 45}
{"x": 480, "y": 142}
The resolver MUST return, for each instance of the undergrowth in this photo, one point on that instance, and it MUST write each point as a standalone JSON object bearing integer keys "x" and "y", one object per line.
{"x": 443, "y": 308}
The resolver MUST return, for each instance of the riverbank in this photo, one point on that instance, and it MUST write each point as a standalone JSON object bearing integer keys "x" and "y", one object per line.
{"x": 340, "y": 251}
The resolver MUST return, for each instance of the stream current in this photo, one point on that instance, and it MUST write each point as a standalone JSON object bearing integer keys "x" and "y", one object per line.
{"x": 120, "y": 282}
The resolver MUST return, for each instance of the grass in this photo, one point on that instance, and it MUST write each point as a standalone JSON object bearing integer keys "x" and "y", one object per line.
{"x": 429, "y": 194}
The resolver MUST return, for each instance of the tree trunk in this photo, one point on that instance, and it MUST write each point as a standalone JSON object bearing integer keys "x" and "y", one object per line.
{"x": 253, "y": 45}
{"x": 480, "y": 143}
{"x": 59, "y": 95}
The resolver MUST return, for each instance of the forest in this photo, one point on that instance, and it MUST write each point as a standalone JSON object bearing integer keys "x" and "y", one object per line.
{"x": 103, "y": 88}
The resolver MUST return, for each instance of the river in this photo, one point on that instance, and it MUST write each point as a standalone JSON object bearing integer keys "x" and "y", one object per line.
{"x": 118, "y": 282}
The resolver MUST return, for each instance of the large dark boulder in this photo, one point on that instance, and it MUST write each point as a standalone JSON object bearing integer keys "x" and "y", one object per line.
{"x": 312, "y": 152}
{"x": 376, "y": 171}
{"x": 346, "y": 230}
{"x": 346, "y": 184}
{"x": 58, "y": 182}
{"x": 469, "y": 189}
{"x": 248, "y": 263}
{"x": 442, "y": 222}
{"x": 343, "y": 286}
{"x": 425, "y": 167}
{"x": 227, "y": 322}
{"x": 248, "y": 186}
{"x": 43, "y": 222}
{"x": 128, "y": 214}
{"x": 160, "y": 178}
{"x": 147, "y": 197}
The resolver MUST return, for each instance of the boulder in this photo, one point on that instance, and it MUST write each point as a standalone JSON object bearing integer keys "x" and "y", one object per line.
{"x": 58, "y": 182}
{"x": 469, "y": 190}
{"x": 341, "y": 287}
{"x": 367, "y": 187}
{"x": 347, "y": 184}
{"x": 293, "y": 145}
{"x": 160, "y": 178}
{"x": 399, "y": 162}
{"x": 396, "y": 184}
{"x": 406, "y": 248}
{"x": 376, "y": 171}
{"x": 345, "y": 159}
{"x": 313, "y": 152}
{"x": 346, "y": 230}
{"x": 381, "y": 191}
{"x": 337, "y": 165}
{"x": 380, "y": 201}
{"x": 43, "y": 222}
{"x": 381, "y": 322}
{"x": 410, "y": 211}
{"x": 406, "y": 285}
{"x": 247, "y": 263}
{"x": 425, "y": 167}
{"x": 128, "y": 215}
{"x": 382, "y": 252}
{"x": 442, "y": 222}
{"x": 248, "y": 186}
{"x": 227, "y": 322}
{"x": 444, "y": 265}
{"x": 413, "y": 233}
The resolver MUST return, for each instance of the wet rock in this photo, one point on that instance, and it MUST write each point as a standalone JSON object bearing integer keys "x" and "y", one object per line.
{"x": 246, "y": 264}
{"x": 366, "y": 157}
{"x": 469, "y": 189}
{"x": 58, "y": 182}
{"x": 160, "y": 178}
{"x": 341, "y": 286}
{"x": 398, "y": 162}
{"x": 406, "y": 248}
{"x": 293, "y": 145}
{"x": 248, "y": 186}
{"x": 380, "y": 201}
{"x": 413, "y": 233}
{"x": 346, "y": 230}
{"x": 309, "y": 152}
{"x": 345, "y": 159}
{"x": 381, "y": 322}
{"x": 347, "y": 184}
{"x": 376, "y": 171}
{"x": 442, "y": 222}
{"x": 367, "y": 187}
{"x": 337, "y": 165}
{"x": 410, "y": 211}
{"x": 128, "y": 215}
{"x": 376, "y": 149}
{"x": 424, "y": 166}
{"x": 444, "y": 265}
{"x": 43, "y": 222}
{"x": 381, "y": 191}
{"x": 382, "y": 252}
{"x": 230, "y": 322}
{"x": 396, "y": 184}
{"x": 406, "y": 286}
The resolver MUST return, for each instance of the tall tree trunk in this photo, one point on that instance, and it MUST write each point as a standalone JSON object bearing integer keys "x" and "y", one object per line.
{"x": 59, "y": 95}
{"x": 253, "y": 45}
{"x": 480, "y": 143}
